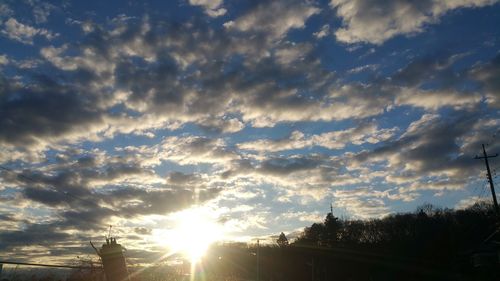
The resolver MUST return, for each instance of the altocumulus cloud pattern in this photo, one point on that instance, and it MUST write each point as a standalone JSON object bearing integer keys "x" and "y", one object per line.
{"x": 260, "y": 113}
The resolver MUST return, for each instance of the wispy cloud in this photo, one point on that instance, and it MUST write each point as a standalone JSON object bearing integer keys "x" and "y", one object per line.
{"x": 24, "y": 33}
{"x": 377, "y": 21}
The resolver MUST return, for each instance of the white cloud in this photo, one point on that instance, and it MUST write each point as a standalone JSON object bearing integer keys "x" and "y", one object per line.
{"x": 296, "y": 140}
{"x": 274, "y": 17}
{"x": 468, "y": 202}
{"x": 433, "y": 100}
{"x": 28, "y": 63}
{"x": 361, "y": 202}
{"x": 377, "y": 21}
{"x": 362, "y": 68}
{"x": 4, "y": 60}
{"x": 193, "y": 150}
{"x": 24, "y": 33}
{"x": 41, "y": 10}
{"x": 292, "y": 52}
{"x": 5, "y": 11}
{"x": 223, "y": 125}
{"x": 53, "y": 55}
{"x": 365, "y": 133}
{"x": 302, "y": 216}
{"x": 324, "y": 31}
{"x": 212, "y": 8}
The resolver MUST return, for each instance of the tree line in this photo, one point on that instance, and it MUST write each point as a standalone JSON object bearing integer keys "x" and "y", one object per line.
{"x": 428, "y": 244}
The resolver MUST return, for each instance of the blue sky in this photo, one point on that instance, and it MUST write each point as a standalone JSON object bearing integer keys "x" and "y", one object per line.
{"x": 255, "y": 114}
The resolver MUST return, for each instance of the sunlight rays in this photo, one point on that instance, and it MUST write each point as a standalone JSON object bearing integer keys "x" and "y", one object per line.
{"x": 194, "y": 231}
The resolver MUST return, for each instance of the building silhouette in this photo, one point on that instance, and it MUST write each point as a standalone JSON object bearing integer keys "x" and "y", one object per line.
{"x": 113, "y": 261}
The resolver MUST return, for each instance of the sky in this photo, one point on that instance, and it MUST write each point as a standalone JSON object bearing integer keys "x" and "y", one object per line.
{"x": 248, "y": 118}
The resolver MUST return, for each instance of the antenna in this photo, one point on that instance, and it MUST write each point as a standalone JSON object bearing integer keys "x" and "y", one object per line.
{"x": 97, "y": 251}
{"x": 109, "y": 234}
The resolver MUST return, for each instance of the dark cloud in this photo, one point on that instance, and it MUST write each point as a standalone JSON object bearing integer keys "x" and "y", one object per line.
{"x": 487, "y": 74}
{"x": 285, "y": 166}
{"x": 152, "y": 62}
{"x": 142, "y": 230}
{"x": 295, "y": 171}
{"x": 430, "y": 69}
{"x": 149, "y": 66}
{"x": 47, "y": 197}
{"x": 178, "y": 178}
{"x": 80, "y": 218}
{"x": 8, "y": 217}
{"x": 139, "y": 75}
{"x": 435, "y": 145}
{"x": 196, "y": 149}
{"x": 157, "y": 85}
{"x": 33, "y": 234}
{"x": 45, "y": 110}
{"x": 86, "y": 161}
{"x": 130, "y": 202}
{"x": 86, "y": 191}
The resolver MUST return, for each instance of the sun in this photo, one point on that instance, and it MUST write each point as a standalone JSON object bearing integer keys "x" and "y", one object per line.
{"x": 195, "y": 230}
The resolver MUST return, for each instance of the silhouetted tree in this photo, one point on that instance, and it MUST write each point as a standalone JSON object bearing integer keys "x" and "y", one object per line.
{"x": 331, "y": 230}
{"x": 312, "y": 234}
{"x": 282, "y": 240}
{"x": 353, "y": 232}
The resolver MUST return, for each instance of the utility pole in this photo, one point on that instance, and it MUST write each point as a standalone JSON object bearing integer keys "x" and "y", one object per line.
{"x": 492, "y": 187}
{"x": 258, "y": 260}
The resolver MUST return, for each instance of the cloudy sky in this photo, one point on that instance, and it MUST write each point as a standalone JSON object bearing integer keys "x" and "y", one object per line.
{"x": 255, "y": 114}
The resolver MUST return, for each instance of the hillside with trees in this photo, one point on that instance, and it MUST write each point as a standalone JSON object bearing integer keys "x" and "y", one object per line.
{"x": 428, "y": 244}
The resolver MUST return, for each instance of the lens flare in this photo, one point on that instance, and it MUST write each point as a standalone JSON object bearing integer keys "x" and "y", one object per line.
{"x": 196, "y": 229}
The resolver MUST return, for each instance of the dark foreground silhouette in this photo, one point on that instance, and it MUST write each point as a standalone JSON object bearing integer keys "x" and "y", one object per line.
{"x": 429, "y": 244}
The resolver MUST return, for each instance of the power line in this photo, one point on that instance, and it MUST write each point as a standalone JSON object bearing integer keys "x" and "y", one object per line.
{"x": 483, "y": 192}
{"x": 477, "y": 189}
{"x": 49, "y": 265}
